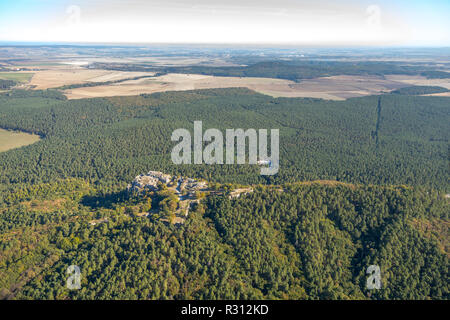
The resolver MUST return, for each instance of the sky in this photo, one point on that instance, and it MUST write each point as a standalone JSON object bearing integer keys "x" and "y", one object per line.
{"x": 289, "y": 22}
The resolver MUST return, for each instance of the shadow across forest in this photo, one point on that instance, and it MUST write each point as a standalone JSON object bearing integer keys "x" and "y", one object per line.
{"x": 106, "y": 201}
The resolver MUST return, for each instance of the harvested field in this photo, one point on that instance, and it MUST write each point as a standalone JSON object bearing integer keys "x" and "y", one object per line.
{"x": 442, "y": 94}
{"x": 119, "y": 75}
{"x": 65, "y": 75}
{"x": 182, "y": 61}
{"x": 343, "y": 87}
{"x": 419, "y": 81}
{"x": 174, "y": 82}
{"x": 331, "y": 88}
{"x": 172, "y": 61}
{"x": 60, "y": 76}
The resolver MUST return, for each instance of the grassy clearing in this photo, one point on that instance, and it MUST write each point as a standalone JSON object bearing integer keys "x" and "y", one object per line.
{"x": 11, "y": 139}
{"x": 16, "y": 76}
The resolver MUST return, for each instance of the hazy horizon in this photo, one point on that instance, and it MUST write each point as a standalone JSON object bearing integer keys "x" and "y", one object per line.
{"x": 218, "y": 45}
{"x": 324, "y": 23}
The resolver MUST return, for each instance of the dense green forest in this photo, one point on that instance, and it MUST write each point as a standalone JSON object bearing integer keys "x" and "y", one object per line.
{"x": 297, "y": 70}
{"x": 7, "y": 84}
{"x": 382, "y": 162}
{"x": 391, "y": 139}
{"x": 295, "y": 241}
{"x": 291, "y": 70}
{"x": 418, "y": 90}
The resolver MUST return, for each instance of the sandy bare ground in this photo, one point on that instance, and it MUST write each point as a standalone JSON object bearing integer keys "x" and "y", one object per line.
{"x": 57, "y": 76}
{"x": 332, "y": 88}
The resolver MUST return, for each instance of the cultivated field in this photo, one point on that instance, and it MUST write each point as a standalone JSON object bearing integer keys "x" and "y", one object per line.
{"x": 332, "y": 88}
{"x": 179, "y": 61}
{"x": 337, "y": 87}
{"x": 175, "y": 82}
{"x": 419, "y": 81}
{"x": 57, "y": 76}
{"x": 13, "y": 139}
{"x": 16, "y": 76}
{"x": 441, "y": 94}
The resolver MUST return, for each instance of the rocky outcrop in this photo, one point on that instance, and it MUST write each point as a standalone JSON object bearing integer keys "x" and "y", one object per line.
{"x": 151, "y": 180}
